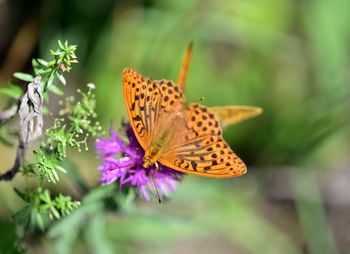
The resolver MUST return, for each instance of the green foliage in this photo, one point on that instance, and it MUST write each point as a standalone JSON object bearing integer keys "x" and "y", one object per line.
{"x": 40, "y": 207}
{"x": 6, "y": 136}
{"x": 45, "y": 167}
{"x": 71, "y": 130}
{"x": 64, "y": 57}
{"x": 73, "y": 127}
{"x": 13, "y": 91}
{"x": 88, "y": 220}
{"x": 49, "y": 71}
{"x": 23, "y": 76}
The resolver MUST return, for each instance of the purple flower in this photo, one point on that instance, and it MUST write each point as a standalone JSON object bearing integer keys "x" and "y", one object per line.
{"x": 122, "y": 161}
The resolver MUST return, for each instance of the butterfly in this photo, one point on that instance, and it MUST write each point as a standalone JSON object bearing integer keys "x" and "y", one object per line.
{"x": 184, "y": 137}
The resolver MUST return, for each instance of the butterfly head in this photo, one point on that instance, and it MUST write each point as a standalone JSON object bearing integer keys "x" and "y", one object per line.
{"x": 147, "y": 162}
{"x": 151, "y": 156}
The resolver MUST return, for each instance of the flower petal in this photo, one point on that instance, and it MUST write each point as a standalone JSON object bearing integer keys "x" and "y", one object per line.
{"x": 128, "y": 170}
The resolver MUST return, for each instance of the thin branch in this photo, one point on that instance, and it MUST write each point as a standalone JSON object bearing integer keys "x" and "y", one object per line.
{"x": 10, "y": 174}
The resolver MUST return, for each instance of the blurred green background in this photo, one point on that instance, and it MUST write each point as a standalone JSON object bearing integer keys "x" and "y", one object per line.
{"x": 289, "y": 57}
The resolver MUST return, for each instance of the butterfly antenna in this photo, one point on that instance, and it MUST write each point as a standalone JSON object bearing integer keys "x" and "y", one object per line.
{"x": 181, "y": 82}
{"x": 155, "y": 186}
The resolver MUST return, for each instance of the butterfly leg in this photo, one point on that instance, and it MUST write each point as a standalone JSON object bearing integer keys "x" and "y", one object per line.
{"x": 155, "y": 186}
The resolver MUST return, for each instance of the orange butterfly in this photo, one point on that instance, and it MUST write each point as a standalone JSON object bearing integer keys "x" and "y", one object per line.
{"x": 187, "y": 138}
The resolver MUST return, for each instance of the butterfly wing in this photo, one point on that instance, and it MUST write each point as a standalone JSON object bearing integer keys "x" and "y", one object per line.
{"x": 203, "y": 151}
{"x": 234, "y": 114}
{"x": 146, "y": 100}
{"x": 181, "y": 81}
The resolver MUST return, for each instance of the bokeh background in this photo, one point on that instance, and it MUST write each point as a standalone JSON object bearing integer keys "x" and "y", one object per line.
{"x": 290, "y": 57}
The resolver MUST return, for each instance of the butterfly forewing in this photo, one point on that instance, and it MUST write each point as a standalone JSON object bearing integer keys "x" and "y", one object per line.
{"x": 203, "y": 151}
{"x": 146, "y": 100}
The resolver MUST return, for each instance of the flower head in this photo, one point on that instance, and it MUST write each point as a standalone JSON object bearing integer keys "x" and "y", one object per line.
{"x": 122, "y": 161}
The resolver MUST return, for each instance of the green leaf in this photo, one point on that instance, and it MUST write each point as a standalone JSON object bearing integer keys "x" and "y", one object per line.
{"x": 95, "y": 235}
{"x": 43, "y": 62}
{"x": 6, "y": 141}
{"x": 311, "y": 214}
{"x": 56, "y": 90}
{"x": 12, "y": 91}
{"x": 51, "y": 79}
{"x": 35, "y": 63}
{"x": 51, "y": 177}
{"x": 53, "y": 61}
{"x": 55, "y": 213}
{"x": 55, "y": 175}
{"x": 23, "y": 216}
{"x": 46, "y": 97}
{"x": 66, "y": 230}
{"x": 39, "y": 221}
{"x": 28, "y": 169}
{"x": 60, "y": 44}
{"x": 61, "y": 78}
{"x": 23, "y": 196}
{"x": 23, "y": 76}
{"x": 42, "y": 72}
{"x": 61, "y": 169}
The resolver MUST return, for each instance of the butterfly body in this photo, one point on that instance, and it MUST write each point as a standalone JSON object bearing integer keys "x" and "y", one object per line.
{"x": 169, "y": 129}
{"x": 187, "y": 138}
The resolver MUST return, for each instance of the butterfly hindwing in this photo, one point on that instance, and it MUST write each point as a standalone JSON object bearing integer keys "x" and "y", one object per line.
{"x": 229, "y": 115}
{"x": 204, "y": 151}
